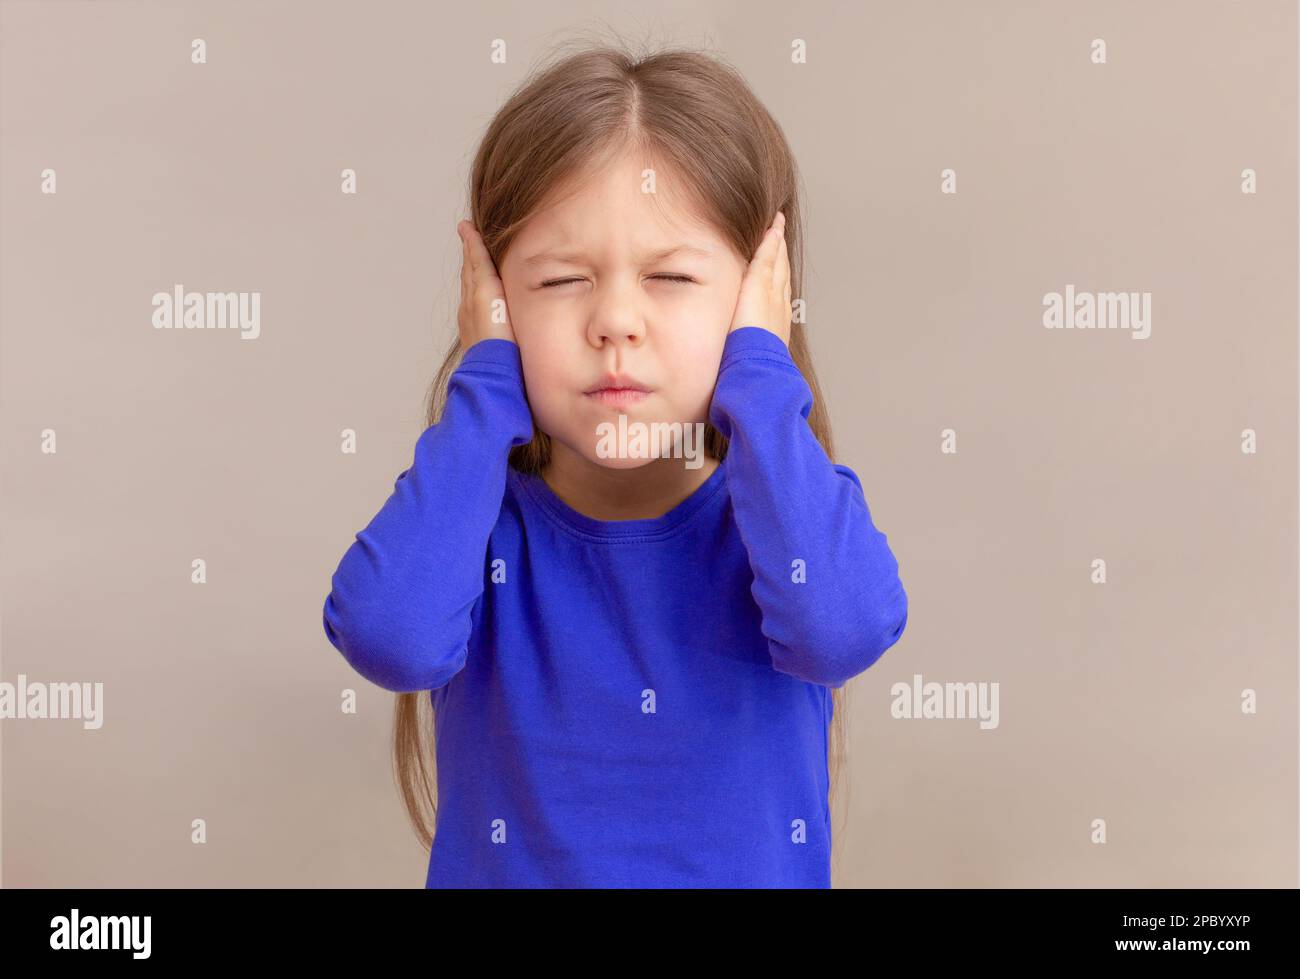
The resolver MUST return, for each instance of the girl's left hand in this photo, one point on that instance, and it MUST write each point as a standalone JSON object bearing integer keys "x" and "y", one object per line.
{"x": 765, "y": 290}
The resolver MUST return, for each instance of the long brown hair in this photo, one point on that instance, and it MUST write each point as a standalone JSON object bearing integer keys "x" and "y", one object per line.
{"x": 696, "y": 113}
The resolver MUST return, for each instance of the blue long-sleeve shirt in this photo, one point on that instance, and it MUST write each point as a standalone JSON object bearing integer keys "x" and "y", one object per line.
{"x": 635, "y": 703}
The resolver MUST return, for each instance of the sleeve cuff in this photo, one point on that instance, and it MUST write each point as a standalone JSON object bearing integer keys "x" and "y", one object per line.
{"x": 495, "y": 356}
{"x": 755, "y": 342}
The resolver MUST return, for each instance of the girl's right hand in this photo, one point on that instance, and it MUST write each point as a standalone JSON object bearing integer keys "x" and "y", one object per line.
{"x": 483, "y": 314}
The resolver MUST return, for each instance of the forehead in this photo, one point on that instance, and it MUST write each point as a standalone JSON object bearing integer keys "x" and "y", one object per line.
{"x": 618, "y": 210}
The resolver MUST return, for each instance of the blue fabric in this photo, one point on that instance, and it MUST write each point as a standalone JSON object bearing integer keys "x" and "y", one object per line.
{"x": 638, "y": 703}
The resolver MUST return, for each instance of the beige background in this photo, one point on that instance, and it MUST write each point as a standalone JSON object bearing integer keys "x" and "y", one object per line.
{"x": 1118, "y": 702}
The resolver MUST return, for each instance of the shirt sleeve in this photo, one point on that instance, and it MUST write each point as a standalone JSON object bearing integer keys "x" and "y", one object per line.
{"x": 401, "y": 601}
{"x": 825, "y": 579}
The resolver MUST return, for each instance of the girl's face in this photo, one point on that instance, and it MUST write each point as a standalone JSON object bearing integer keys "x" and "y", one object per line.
{"x": 638, "y": 288}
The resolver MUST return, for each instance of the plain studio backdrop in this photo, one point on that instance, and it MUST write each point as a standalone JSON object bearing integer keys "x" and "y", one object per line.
{"x": 1119, "y": 702}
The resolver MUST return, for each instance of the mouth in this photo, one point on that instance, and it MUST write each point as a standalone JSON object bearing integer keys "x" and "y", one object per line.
{"x": 617, "y": 396}
{"x": 617, "y": 389}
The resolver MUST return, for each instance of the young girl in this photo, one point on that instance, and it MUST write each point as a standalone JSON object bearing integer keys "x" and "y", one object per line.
{"x": 632, "y": 662}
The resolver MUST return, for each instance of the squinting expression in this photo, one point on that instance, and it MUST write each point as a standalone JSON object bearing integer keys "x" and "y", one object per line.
{"x": 609, "y": 289}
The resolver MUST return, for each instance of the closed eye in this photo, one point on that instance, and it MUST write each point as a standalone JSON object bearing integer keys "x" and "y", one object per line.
{"x": 670, "y": 278}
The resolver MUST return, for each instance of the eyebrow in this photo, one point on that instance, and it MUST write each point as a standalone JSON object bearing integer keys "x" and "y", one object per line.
{"x": 574, "y": 257}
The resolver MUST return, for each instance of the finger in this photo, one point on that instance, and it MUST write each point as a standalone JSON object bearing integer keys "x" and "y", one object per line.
{"x": 479, "y": 257}
{"x": 467, "y": 233}
{"x": 778, "y": 236}
{"x": 765, "y": 254}
{"x": 466, "y": 264}
{"x": 470, "y": 263}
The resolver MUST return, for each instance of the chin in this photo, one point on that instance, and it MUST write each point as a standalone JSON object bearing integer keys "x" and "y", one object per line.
{"x": 615, "y": 462}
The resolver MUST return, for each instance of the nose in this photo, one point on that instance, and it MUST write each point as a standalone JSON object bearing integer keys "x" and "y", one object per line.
{"x": 629, "y": 335}
{"x": 616, "y": 320}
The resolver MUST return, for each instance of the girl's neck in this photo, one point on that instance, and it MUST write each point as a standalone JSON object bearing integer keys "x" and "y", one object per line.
{"x": 603, "y": 493}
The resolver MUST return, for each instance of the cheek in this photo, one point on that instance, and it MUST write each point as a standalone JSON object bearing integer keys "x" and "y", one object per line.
{"x": 545, "y": 373}
{"x": 717, "y": 321}
{"x": 698, "y": 339}
{"x": 550, "y": 382}
{"x": 520, "y": 308}
{"x": 693, "y": 369}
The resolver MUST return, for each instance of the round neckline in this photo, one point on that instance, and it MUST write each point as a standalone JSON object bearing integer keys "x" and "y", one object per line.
{"x": 644, "y": 528}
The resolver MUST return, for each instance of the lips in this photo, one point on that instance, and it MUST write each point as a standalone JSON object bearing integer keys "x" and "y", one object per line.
{"x": 617, "y": 396}
{"x": 617, "y": 389}
{"x": 617, "y": 382}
